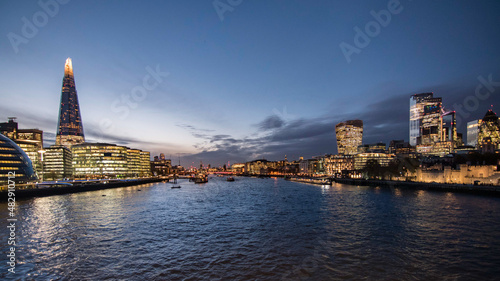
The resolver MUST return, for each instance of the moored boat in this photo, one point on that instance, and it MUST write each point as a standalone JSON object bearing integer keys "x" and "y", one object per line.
{"x": 200, "y": 178}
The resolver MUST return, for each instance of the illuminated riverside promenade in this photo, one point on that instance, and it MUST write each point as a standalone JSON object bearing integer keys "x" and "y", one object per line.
{"x": 257, "y": 229}
{"x": 72, "y": 186}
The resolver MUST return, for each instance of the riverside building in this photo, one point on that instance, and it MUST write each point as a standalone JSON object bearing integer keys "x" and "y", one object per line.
{"x": 57, "y": 163}
{"x": 14, "y": 161}
{"x": 29, "y": 140}
{"x": 103, "y": 160}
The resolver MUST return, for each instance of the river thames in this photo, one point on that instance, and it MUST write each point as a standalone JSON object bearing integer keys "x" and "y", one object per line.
{"x": 255, "y": 229}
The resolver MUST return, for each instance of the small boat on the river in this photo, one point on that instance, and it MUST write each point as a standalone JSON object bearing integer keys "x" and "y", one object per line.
{"x": 175, "y": 182}
{"x": 200, "y": 178}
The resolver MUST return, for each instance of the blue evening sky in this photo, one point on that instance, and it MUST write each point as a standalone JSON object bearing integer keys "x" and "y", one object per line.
{"x": 268, "y": 79}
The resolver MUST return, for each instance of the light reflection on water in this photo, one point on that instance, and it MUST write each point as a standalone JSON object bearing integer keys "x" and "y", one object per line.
{"x": 266, "y": 229}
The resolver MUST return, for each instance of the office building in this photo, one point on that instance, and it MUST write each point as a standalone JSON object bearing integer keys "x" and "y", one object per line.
{"x": 103, "y": 161}
{"x": 430, "y": 129}
{"x": 361, "y": 159}
{"x": 375, "y": 147}
{"x": 99, "y": 160}
{"x": 69, "y": 127}
{"x": 489, "y": 131}
{"x": 133, "y": 162}
{"x": 29, "y": 140}
{"x": 161, "y": 166}
{"x": 401, "y": 149}
{"x": 417, "y": 105}
{"x": 14, "y": 162}
{"x": 449, "y": 128}
{"x": 9, "y": 128}
{"x": 473, "y": 132}
{"x": 339, "y": 165}
{"x": 145, "y": 164}
{"x": 57, "y": 163}
{"x": 349, "y": 136}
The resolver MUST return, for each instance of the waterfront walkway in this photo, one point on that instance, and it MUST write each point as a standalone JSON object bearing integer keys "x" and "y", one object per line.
{"x": 65, "y": 187}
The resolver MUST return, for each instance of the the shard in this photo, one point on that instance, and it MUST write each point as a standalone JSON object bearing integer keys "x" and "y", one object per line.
{"x": 69, "y": 127}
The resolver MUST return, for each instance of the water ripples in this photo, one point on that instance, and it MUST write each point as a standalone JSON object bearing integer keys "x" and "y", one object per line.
{"x": 257, "y": 229}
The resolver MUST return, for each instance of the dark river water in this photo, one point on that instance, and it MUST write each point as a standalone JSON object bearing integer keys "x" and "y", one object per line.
{"x": 255, "y": 229}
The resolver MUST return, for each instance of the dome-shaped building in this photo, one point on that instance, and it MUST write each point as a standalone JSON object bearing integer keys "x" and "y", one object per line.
{"x": 13, "y": 160}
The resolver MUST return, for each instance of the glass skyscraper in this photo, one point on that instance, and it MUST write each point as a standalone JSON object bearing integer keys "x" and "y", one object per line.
{"x": 473, "y": 132}
{"x": 349, "y": 136}
{"x": 489, "y": 130}
{"x": 69, "y": 128}
{"x": 417, "y": 107}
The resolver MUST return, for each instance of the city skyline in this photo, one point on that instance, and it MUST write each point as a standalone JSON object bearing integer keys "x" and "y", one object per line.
{"x": 198, "y": 105}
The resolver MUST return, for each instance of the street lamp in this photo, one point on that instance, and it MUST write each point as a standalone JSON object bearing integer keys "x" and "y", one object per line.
{"x": 41, "y": 154}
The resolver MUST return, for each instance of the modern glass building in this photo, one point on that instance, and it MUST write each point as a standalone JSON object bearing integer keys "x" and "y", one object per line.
{"x": 57, "y": 163}
{"x": 145, "y": 164}
{"x": 133, "y": 162}
{"x": 473, "y": 132}
{"x": 69, "y": 127}
{"x": 490, "y": 130}
{"x": 449, "y": 128}
{"x": 349, "y": 136}
{"x": 104, "y": 160}
{"x": 99, "y": 160}
{"x": 361, "y": 159}
{"x": 29, "y": 140}
{"x": 417, "y": 104}
{"x": 431, "y": 124}
{"x": 14, "y": 161}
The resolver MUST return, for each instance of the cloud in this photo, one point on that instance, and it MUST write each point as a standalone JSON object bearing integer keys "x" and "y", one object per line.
{"x": 384, "y": 120}
{"x": 271, "y": 122}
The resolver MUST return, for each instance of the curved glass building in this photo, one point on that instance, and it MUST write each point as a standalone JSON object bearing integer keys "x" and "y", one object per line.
{"x": 14, "y": 163}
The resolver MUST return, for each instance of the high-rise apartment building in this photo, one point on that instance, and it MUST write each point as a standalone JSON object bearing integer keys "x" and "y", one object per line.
{"x": 349, "y": 136}
{"x": 69, "y": 127}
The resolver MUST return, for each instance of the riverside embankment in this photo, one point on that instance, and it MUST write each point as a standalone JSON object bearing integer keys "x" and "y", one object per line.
{"x": 464, "y": 188}
{"x": 41, "y": 190}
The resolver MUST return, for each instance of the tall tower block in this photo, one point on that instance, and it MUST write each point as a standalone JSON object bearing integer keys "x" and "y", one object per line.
{"x": 69, "y": 127}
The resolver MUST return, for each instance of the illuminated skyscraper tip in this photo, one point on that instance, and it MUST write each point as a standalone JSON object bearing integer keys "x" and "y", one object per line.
{"x": 69, "y": 128}
{"x": 68, "y": 67}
